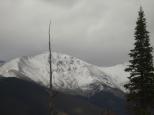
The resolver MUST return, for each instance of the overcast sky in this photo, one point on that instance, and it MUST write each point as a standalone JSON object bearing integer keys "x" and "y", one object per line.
{"x": 97, "y": 31}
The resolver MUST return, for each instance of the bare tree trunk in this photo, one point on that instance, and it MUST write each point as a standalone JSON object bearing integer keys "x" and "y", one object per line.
{"x": 51, "y": 95}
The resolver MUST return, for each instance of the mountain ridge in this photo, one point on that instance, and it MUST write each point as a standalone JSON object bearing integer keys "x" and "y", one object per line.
{"x": 70, "y": 74}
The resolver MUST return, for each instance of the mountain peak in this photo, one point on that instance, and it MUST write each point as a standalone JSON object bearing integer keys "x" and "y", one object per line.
{"x": 70, "y": 74}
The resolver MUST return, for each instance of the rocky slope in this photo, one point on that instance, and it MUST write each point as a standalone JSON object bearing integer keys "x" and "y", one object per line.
{"x": 70, "y": 74}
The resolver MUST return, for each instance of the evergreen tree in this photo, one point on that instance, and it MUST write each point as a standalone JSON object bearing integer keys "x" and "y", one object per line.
{"x": 141, "y": 84}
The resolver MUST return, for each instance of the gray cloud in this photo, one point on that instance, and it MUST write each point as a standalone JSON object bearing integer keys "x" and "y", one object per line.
{"x": 97, "y": 31}
{"x": 62, "y": 3}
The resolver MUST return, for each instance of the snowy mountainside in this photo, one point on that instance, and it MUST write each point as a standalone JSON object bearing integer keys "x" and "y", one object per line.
{"x": 117, "y": 74}
{"x": 69, "y": 73}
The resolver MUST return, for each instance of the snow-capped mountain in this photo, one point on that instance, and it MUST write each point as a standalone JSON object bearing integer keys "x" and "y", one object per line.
{"x": 118, "y": 75}
{"x": 69, "y": 73}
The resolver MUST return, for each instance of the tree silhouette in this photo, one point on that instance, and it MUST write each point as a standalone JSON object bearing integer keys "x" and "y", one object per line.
{"x": 52, "y": 110}
{"x": 141, "y": 79}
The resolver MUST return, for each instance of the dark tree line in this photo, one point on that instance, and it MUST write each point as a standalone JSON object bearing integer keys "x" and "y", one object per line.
{"x": 141, "y": 79}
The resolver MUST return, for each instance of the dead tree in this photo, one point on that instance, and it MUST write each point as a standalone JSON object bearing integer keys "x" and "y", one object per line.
{"x": 51, "y": 92}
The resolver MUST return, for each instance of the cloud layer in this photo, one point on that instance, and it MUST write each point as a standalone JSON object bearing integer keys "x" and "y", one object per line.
{"x": 97, "y": 31}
